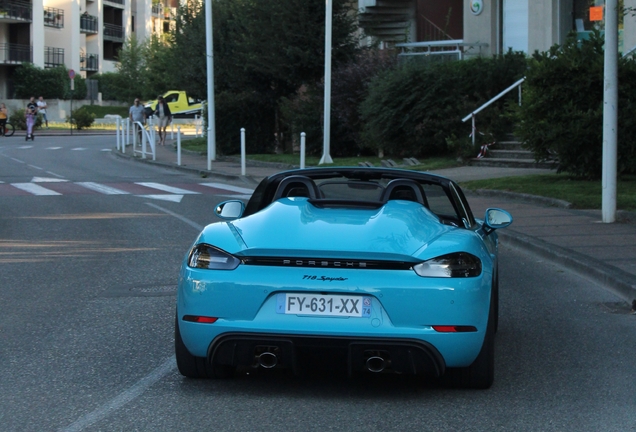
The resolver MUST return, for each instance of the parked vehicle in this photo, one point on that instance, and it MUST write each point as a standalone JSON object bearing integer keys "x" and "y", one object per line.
{"x": 181, "y": 105}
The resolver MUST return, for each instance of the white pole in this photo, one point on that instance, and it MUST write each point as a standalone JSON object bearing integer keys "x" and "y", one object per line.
{"x": 117, "y": 130}
{"x": 171, "y": 130}
{"x": 326, "y": 130}
{"x": 179, "y": 145}
{"x": 610, "y": 112}
{"x": 302, "y": 150}
{"x": 143, "y": 147}
{"x": 209, "y": 53}
{"x": 242, "y": 151}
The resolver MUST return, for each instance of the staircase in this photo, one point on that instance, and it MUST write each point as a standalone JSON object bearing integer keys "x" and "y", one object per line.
{"x": 388, "y": 20}
{"x": 511, "y": 154}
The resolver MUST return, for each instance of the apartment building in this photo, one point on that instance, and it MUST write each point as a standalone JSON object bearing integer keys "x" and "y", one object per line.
{"x": 83, "y": 35}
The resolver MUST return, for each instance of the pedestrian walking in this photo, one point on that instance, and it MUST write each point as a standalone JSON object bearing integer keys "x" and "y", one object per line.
{"x": 42, "y": 110}
{"x": 165, "y": 118}
{"x": 30, "y": 112}
{"x": 136, "y": 114}
{"x": 4, "y": 115}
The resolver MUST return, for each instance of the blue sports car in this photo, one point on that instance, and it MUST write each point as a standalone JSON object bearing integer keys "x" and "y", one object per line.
{"x": 378, "y": 270}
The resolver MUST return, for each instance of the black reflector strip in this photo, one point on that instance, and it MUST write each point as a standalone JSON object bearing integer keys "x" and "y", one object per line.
{"x": 327, "y": 263}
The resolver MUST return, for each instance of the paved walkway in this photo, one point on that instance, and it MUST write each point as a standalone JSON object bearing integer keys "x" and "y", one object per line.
{"x": 578, "y": 239}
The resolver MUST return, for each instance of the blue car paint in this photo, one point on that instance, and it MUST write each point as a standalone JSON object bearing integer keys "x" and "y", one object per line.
{"x": 404, "y": 305}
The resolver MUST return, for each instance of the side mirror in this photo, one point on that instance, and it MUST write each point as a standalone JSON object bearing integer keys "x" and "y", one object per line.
{"x": 230, "y": 209}
{"x": 496, "y": 218}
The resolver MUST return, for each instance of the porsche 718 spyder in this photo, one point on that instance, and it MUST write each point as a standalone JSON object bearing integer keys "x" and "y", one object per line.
{"x": 379, "y": 270}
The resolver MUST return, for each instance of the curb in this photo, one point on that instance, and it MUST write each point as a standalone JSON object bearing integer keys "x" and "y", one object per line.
{"x": 534, "y": 199}
{"x": 612, "y": 278}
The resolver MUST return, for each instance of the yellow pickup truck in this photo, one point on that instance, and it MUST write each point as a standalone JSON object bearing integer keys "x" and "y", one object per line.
{"x": 181, "y": 105}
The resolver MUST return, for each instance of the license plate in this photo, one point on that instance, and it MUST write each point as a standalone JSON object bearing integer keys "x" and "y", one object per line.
{"x": 324, "y": 305}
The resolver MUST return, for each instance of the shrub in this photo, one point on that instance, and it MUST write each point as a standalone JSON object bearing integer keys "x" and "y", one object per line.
{"x": 51, "y": 83}
{"x": 18, "y": 120}
{"x": 413, "y": 109}
{"x": 562, "y": 111}
{"x": 81, "y": 118}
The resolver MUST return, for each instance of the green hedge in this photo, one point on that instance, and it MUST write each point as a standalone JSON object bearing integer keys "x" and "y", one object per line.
{"x": 51, "y": 83}
{"x": 413, "y": 109}
{"x": 562, "y": 112}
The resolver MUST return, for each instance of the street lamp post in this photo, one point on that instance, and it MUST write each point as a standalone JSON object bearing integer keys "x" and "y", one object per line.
{"x": 610, "y": 112}
{"x": 326, "y": 157}
{"x": 209, "y": 53}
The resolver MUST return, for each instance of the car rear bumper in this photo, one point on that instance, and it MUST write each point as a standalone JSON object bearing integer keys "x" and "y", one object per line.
{"x": 407, "y": 356}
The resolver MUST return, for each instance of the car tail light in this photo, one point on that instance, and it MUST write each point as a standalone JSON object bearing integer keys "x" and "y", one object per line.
{"x": 204, "y": 256}
{"x": 454, "y": 329}
{"x": 455, "y": 265}
{"x": 200, "y": 319}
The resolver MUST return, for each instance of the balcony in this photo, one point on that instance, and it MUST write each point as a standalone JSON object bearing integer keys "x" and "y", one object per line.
{"x": 53, "y": 17}
{"x": 15, "y": 53}
{"x": 89, "y": 62}
{"x": 113, "y": 33}
{"x": 53, "y": 57}
{"x": 157, "y": 10}
{"x": 15, "y": 11}
{"x": 88, "y": 24}
{"x": 118, "y": 3}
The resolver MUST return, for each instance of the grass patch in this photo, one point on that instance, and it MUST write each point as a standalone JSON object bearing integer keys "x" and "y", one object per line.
{"x": 583, "y": 194}
{"x": 200, "y": 145}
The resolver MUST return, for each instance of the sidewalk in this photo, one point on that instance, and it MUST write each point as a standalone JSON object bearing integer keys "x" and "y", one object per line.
{"x": 577, "y": 239}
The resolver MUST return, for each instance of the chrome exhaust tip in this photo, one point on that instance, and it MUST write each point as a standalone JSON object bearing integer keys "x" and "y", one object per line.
{"x": 375, "y": 364}
{"x": 267, "y": 360}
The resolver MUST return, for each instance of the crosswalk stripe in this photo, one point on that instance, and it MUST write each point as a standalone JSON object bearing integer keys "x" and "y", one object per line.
{"x": 167, "y": 188}
{"x": 34, "y": 188}
{"x": 107, "y": 190}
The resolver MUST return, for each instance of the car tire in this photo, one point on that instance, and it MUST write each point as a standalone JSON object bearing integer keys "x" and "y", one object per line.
{"x": 481, "y": 373}
{"x": 189, "y": 366}
{"x": 196, "y": 367}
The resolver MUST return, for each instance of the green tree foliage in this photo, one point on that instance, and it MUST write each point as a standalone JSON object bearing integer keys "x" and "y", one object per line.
{"x": 413, "y": 109}
{"x": 131, "y": 67}
{"x": 109, "y": 85}
{"x": 160, "y": 66}
{"x": 51, "y": 83}
{"x": 562, "y": 112}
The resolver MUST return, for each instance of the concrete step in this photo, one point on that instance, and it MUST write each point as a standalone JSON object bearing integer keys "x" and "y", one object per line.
{"x": 496, "y": 153}
{"x": 512, "y": 163}
{"x": 509, "y": 145}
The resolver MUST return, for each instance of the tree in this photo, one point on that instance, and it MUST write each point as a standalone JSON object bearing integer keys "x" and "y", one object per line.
{"x": 131, "y": 68}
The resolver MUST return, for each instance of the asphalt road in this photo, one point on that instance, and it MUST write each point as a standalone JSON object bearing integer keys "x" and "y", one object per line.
{"x": 87, "y": 283}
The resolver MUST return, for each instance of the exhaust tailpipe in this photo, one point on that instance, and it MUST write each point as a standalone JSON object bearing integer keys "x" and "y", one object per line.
{"x": 267, "y": 360}
{"x": 376, "y": 364}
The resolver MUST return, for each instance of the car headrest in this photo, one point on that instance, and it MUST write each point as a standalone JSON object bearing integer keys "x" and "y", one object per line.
{"x": 297, "y": 186}
{"x": 404, "y": 189}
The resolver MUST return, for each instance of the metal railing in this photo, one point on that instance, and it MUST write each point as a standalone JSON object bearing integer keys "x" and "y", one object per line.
{"x": 490, "y": 102}
{"x": 432, "y": 32}
{"x": 88, "y": 23}
{"x": 53, "y": 56}
{"x": 117, "y": 2}
{"x": 89, "y": 62}
{"x": 113, "y": 32}
{"x": 16, "y": 9}
{"x": 454, "y": 47}
{"x": 53, "y": 17}
{"x": 15, "y": 53}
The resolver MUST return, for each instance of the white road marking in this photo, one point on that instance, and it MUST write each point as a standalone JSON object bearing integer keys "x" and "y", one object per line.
{"x": 78, "y": 149}
{"x": 47, "y": 180}
{"x": 229, "y": 187}
{"x": 53, "y": 148}
{"x": 34, "y": 189}
{"x": 123, "y": 398}
{"x": 53, "y": 174}
{"x": 107, "y": 190}
{"x": 193, "y": 224}
{"x": 36, "y": 167}
{"x": 167, "y": 188}
{"x": 106, "y": 150}
{"x": 17, "y": 160}
{"x": 171, "y": 198}
{"x": 25, "y": 147}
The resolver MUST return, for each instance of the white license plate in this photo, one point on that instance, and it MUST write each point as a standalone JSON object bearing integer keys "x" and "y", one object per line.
{"x": 323, "y": 304}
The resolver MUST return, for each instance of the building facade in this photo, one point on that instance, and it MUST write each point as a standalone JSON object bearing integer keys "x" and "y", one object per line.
{"x": 83, "y": 35}
{"x": 497, "y": 25}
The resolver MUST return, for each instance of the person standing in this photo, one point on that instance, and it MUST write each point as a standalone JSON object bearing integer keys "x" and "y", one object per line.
{"x": 30, "y": 112}
{"x": 136, "y": 114}
{"x": 42, "y": 110}
{"x": 165, "y": 117}
{"x": 4, "y": 115}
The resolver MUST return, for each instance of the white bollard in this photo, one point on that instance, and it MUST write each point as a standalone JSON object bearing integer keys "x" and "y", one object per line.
{"x": 117, "y": 133}
{"x": 302, "y": 150}
{"x": 242, "y": 151}
{"x": 179, "y": 145}
{"x": 171, "y": 130}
